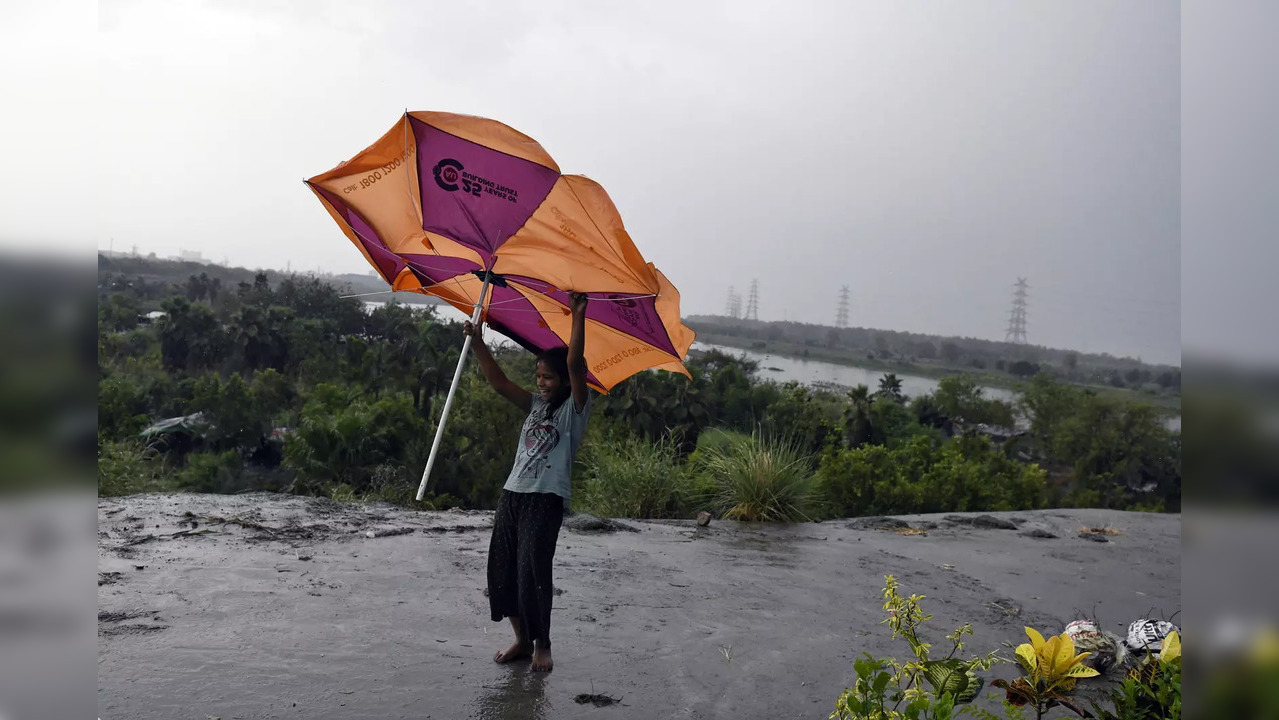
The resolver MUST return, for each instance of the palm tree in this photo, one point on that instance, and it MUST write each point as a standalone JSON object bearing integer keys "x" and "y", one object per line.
{"x": 890, "y": 386}
{"x": 857, "y": 428}
{"x": 259, "y": 334}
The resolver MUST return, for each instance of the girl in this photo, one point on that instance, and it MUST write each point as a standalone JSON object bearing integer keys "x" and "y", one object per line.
{"x": 529, "y": 513}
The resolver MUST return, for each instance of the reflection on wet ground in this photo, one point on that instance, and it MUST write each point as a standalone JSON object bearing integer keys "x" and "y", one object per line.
{"x": 520, "y": 696}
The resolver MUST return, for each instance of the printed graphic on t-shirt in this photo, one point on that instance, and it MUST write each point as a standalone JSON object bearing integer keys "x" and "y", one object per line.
{"x": 539, "y": 441}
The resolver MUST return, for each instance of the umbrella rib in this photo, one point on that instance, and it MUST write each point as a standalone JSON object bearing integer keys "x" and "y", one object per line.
{"x": 624, "y": 297}
{"x": 504, "y": 302}
{"x": 515, "y": 310}
{"x": 475, "y": 226}
{"x": 461, "y": 286}
{"x": 522, "y": 299}
{"x": 525, "y": 281}
{"x": 404, "y": 152}
{"x": 433, "y": 282}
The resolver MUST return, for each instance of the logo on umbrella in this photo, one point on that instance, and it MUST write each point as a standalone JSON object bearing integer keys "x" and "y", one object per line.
{"x": 626, "y": 309}
{"x": 446, "y": 173}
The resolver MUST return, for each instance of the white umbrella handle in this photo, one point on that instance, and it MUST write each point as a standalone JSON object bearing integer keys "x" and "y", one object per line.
{"x": 457, "y": 376}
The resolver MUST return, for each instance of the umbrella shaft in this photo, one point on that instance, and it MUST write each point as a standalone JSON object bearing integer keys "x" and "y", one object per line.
{"x": 457, "y": 376}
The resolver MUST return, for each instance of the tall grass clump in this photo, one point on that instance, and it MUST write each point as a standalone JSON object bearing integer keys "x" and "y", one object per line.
{"x": 761, "y": 479}
{"x": 633, "y": 478}
{"x": 125, "y": 468}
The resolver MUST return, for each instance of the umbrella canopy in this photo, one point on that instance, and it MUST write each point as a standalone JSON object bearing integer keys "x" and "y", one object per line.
{"x": 442, "y": 203}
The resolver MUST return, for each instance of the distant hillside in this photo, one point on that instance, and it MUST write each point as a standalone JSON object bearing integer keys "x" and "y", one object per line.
{"x": 161, "y": 271}
{"x": 934, "y": 354}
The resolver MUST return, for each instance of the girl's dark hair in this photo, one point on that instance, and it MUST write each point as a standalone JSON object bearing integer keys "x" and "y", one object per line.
{"x": 556, "y": 360}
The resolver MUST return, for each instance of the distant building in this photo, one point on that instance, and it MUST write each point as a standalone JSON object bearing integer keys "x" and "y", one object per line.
{"x": 191, "y": 256}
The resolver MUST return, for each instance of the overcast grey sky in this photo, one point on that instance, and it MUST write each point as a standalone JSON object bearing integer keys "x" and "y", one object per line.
{"x": 1230, "y": 181}
{"x": 925, "y": 154}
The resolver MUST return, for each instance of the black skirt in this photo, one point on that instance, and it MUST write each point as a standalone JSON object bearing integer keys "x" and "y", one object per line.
{"x": 525, "y": 530}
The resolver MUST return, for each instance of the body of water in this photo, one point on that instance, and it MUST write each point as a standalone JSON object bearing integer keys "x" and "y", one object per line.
{"x": 808, "y": 372}
{"x": 783, "y": 368}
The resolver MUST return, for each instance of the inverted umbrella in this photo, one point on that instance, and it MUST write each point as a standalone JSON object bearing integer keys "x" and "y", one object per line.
{"x": 476, "y": 213}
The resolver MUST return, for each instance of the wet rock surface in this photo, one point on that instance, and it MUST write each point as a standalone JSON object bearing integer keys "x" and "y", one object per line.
{"x": 877, "y": 523}
{"x": 286, "y": 608}
{"x": 982, "y": 521}
{"x": 587, "y": 523}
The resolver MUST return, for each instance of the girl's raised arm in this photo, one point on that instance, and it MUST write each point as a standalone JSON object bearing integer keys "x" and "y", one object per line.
{"x": 505, "y": 387}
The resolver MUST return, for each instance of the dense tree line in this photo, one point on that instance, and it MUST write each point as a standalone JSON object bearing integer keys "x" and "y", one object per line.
{"x": 299, "y": 389}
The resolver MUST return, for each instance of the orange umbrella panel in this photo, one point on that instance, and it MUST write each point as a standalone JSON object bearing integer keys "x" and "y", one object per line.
{"x": 440, "y": 202}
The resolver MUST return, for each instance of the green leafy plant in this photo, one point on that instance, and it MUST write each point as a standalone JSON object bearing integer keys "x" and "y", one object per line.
{"x": 874, "y": 696}
{"x": 926, "y": 687}
{"x": 1152, "y": 690}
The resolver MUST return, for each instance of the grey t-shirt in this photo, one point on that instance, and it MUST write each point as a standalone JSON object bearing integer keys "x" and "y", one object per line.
{"x": 544, "y": 456}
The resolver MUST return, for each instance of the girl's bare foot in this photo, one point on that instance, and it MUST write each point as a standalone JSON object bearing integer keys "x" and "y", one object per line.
{"x": 542, "y": 659}
{"x": 519, "y": 651}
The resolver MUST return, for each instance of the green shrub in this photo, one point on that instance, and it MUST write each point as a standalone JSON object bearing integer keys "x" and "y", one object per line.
{"x": 958, "y": 397}
{"x": 1150, "y": 692}
{"x": 920, "y": 476}
{"x": 122, "y": 407}
{"x": 124, "y": 468}
{"x": 631, "y": 477}
{"x": 847, "y": 480}
{"x": 213, "y": 472}
{"x": 342, "y": 438}
{"x": 1121, "y": 454}
{"x": 893, "y": 424}
{"x": 806, "y": 415}
{"x": 761, "y": 479}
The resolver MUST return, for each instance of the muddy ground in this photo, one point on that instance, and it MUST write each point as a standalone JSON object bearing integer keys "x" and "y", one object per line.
{"x": 272, "y": 606}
